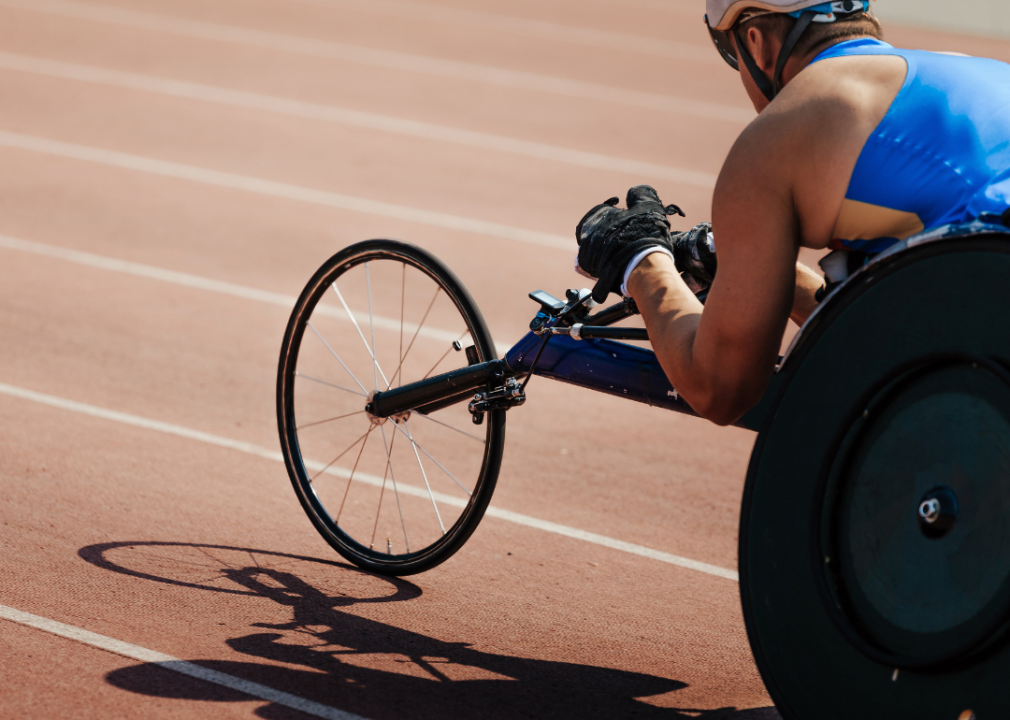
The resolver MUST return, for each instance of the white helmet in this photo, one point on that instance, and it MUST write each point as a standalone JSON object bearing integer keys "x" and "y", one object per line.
{"x": 722, "y": 15}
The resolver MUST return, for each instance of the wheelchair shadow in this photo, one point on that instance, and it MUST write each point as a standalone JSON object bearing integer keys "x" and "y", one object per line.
{"x": 359, "y": 665}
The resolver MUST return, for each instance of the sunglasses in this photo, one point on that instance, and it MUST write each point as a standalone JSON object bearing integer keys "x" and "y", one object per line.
{"x": 721, "y": 37}
{"x": 723, "y": 45}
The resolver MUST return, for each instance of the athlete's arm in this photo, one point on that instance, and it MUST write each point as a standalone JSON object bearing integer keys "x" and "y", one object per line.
{"x": 720, "y": 360}
{"x": 782, "y": 185}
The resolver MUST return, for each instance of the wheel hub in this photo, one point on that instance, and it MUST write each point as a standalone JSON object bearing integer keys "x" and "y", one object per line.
{"x": 921, "y": 552}
{"x": 376, "y": 420}
{"x": 938, "y": 512}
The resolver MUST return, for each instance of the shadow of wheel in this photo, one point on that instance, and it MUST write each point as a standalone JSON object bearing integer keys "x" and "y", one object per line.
{"x": 226, "y": 569}
{"x": 317, "y": 642}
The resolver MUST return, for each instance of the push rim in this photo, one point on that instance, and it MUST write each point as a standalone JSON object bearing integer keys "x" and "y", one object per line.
{"x": 395, "y": 495}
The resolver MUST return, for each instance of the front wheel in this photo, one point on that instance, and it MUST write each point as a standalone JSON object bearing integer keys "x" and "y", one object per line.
{"x": 395, "y": 495}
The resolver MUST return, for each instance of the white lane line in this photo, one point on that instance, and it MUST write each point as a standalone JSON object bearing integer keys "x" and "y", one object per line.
{"x": 613, "y": 544}
{"x": 491, "y": 22}
{"x": 662, "y": 6}
{"x": 245, "y": 292}
{"x": 386, "y": 59}
{"x": 206, "y": 176}
{"x": 251, "y": 449}
{"x": 354, "y": 118}
{"x": 142, "y": 654}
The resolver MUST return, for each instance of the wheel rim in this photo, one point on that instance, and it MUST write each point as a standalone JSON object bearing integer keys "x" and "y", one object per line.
{"x": 395, "y": 494}
{"x": 894, "y": 348}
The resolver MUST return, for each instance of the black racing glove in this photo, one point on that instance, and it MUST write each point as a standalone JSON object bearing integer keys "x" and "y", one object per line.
{"x": 694, "y": 256}
{"x": 609, "y": 237}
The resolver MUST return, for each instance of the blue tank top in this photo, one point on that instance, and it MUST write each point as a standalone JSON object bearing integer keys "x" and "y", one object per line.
{"x": 941, "y": 154}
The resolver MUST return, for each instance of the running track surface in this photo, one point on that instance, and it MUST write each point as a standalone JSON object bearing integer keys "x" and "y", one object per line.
{"x": 172, "y": 173}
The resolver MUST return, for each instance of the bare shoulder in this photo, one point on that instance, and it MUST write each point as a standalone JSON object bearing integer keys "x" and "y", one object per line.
{"x": 842, "y": 90}
{"x": 836, "y": 98}
{"x": 802, "y": 149}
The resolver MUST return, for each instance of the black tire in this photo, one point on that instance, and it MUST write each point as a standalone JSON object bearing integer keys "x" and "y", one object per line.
{"x": 422, "y": 548}
{"x": 854, "y": 607}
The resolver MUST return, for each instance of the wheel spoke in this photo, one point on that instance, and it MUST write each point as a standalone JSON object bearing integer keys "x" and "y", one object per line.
{"x": 423, "y": 320}
{"x": 333, "y": 352}
{"x": 329, "y": 384}
{"x": 371, "y": 328}
{"x": 330, "y": 464}
{"x": 371, "y": 350}
{"x": 444, "y": 355}
{"x": 382, "y": 491}
{"x": 446, "y": 425}
{"x": 392, "y": 476}
{"x": 351, "y": 478}
{"x": 425, "y": 476}
{"x": 320, "y": 422}
{"x": 421, "y": 448}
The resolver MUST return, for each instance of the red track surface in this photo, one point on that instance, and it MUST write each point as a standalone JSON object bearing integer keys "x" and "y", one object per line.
{"x": 124, "y": 531}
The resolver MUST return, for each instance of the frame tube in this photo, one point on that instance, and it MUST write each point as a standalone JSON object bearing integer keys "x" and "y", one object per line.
{"x": 618, "y": 369}
{"x": 603, "y": 365}
{"x": 588, "y": 332}
{"x": 417, "y": 395}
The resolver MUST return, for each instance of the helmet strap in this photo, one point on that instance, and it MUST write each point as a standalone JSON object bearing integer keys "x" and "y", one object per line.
{"x": 771, "y": 88}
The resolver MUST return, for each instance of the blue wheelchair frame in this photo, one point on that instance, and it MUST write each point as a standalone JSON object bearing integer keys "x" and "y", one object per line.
{"x": 605, "y": 365}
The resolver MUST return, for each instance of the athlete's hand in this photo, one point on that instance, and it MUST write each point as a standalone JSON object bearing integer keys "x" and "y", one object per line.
{"x": 610, "y": 237}
{"x": 694, "y": 256}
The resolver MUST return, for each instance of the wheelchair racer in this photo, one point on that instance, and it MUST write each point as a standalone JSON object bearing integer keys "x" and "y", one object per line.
{"x": 857, "y": 146}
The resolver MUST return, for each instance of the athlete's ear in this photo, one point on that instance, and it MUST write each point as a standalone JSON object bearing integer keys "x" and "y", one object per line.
{"x": 763, "y": 48}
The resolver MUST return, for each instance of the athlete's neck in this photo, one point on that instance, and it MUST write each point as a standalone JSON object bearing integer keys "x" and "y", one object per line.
{"x": 796, "y": 65}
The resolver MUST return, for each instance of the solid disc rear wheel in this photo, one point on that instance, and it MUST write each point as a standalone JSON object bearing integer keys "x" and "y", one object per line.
{"x": 396, "y": 495}
{"x": 874, "y": 541}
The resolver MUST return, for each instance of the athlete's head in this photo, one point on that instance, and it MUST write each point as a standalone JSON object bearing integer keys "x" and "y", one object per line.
{"x": 791, "y": 27}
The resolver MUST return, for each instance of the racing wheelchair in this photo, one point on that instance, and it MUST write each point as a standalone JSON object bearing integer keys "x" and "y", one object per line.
{"x": 874, "y": 543}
